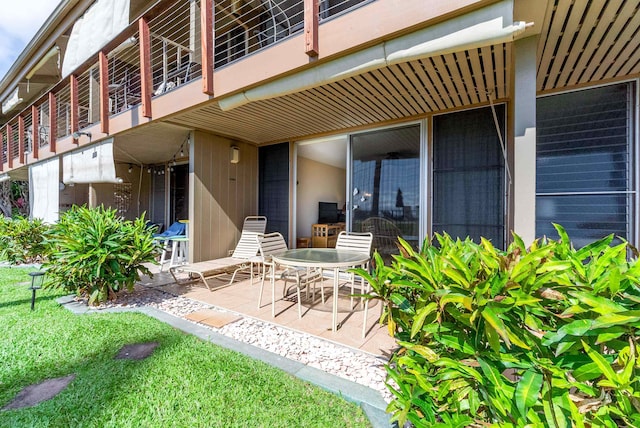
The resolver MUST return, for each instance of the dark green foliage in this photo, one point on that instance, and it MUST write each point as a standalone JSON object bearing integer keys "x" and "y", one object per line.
{"x": 539, "y": 336}
{"x": 22, "y": 240}
{"x": 96, "y": 253}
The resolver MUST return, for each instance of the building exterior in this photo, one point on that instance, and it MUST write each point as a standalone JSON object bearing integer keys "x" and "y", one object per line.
{"x": 474, "y": 117}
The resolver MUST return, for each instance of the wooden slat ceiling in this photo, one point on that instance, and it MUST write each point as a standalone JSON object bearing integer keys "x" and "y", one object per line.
{"x": 392, "y": 93}
{"x": 581, "y": 42}
{"x": 586, "y": 41}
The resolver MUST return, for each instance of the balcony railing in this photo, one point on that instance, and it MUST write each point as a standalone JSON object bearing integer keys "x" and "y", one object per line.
{"x": 176, "y": 56}
{"x": 88, "y": 97}
{"x": 124, "y": 76}
{"x": 241, "y": 27}
{"x": 63, "y": 112}
{"x": 43, "y": 124}
{"x": 4, "y": 147}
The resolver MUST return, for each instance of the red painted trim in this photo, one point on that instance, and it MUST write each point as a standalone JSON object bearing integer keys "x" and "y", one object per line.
{"x": 1, "y": 148}
{"x": 207, "y": 44}
{"x": 103, "y": 70}
{"x": 311, "y": 18}
{"x": 145, "y": 66}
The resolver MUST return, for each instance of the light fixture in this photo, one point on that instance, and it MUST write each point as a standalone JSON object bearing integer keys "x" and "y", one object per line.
{"x": 130, "y": 170}
{"x": 234, "y": 154}
{"x": 149, "y": 170}
{"x": 37, "y": 278}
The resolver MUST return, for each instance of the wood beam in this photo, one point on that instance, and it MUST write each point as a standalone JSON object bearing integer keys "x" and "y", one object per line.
{"x": 35, "y": 134}
{"x": 10, "y": 145}
{"x": 53, "y": 123}
{"x": 73, "y": 84}
{"x": 207, "y": 44}
{"x": 2, "y": 150}
{"x": 145, "y": 66}
{"x": 21, "y": 139}
{"x": 311, "y": 18}
{"x": 103, "y": 70}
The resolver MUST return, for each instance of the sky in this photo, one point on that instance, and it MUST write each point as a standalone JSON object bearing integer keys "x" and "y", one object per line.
{"x": 21, "y": 19}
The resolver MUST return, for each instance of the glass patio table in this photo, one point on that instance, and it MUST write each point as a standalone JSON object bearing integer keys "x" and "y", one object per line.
{"x": 323, "y": 258}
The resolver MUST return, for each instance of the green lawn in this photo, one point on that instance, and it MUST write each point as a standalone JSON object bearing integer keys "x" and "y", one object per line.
{"x": 185, "y": 383}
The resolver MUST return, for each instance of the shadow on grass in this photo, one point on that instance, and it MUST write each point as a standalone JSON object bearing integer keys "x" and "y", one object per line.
{"x": 27, "y": 302}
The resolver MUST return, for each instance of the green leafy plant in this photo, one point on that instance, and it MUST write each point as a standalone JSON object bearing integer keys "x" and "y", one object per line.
{"x": 538, "y": 336}
{"x": 96, "y": 253}
{"x": 22, "y": 240}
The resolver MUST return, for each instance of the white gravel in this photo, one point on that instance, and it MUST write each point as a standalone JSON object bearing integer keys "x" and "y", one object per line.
{"x": 341, "y": 361}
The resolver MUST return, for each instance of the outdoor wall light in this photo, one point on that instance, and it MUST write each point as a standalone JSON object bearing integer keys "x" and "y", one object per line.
{"x": 37, "y": 278}
{"x": 234, "y": 154}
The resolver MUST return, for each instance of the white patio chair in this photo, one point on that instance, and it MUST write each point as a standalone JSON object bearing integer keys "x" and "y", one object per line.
{"x": 274, "y": 243}
{"x": 360, "y": 242}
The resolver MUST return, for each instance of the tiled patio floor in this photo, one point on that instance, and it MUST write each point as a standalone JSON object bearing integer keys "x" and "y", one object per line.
{"x": 242, "y": 297}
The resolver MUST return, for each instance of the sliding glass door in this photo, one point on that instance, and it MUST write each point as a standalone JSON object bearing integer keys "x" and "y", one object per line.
{"x": 385, "y": 186}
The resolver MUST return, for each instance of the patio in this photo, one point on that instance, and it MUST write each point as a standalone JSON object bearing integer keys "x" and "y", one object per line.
{"x": 242, "y": 298}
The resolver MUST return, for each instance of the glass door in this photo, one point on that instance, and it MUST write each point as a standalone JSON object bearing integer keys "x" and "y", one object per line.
{"x": 385, "y": 186}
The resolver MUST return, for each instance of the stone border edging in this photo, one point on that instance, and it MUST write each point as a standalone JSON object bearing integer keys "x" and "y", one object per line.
{"x": 368, "y": 399}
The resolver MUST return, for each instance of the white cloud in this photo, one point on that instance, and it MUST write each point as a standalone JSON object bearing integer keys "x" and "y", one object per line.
{"x": 20, "y": 22}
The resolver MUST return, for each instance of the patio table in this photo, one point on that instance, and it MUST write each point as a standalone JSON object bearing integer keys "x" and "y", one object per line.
{"x": 323, "y": 258}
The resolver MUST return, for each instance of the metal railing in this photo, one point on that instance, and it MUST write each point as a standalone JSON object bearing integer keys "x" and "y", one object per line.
{"x": 43, "y": 124}
{"x": 242, "y": 28}
{"x": 63, "y": 112}
{"x": 15, "y": 135}
{"x": 176, "y": 56}
{"x": 124, "y": 76}
{"x": 28, "y": 132}
{"x": 4, "y": 146}
{"x": 331, "y": 8}
{"x": 88, "y": 97}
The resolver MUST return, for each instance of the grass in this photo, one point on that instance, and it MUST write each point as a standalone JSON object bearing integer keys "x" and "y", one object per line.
{"x": 185, "y": 383}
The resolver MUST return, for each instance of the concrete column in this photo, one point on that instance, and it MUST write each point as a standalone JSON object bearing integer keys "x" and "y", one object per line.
{"x": 93, "y": 196}
{"x": 524, "y": 153}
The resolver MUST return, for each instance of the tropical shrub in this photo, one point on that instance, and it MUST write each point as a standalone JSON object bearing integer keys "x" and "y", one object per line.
{"x": 22, "y": 240}
{"x": 96, "y": 253}
{"x": 538, "y": 336}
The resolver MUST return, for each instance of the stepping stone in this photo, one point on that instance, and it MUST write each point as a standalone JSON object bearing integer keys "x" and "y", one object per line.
{"x": 136, "y": 351}
{"x": 39, "y": 392}
{"x": 213, "y": 318}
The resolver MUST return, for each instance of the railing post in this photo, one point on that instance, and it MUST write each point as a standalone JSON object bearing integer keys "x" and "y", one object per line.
{"x": 73, "y": 84}
{"x": 53, "y": 122}
{"x": 207, "y": 44}
{"x": 35, "y": 134}
{"x": 145, "y": 66}
{"x": 21, "y": 139}
{"x": 2, "y": 149}
{"x": 103, "y": 71}
{"x": 311, "y": 12}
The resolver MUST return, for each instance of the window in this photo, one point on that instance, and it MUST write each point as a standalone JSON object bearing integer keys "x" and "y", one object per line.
{"x": 468, "y": 175}
{"x": 584, "y": 163}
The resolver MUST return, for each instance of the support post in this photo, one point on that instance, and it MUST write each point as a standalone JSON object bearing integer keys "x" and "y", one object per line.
{"x": 10, "y": 145}
{"x": 103, "y": 71}
{"x": 145, "y": 66}
{"x": 73, "y": 84}
{"x": 207, "y": 44}
{"x": 21, "y": 139}
{"x": 524, "y": 151}
{"x": 311, "y": 18}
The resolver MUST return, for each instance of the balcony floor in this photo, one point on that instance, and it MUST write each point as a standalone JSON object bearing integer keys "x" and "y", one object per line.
{"x": 242, "y": 298}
